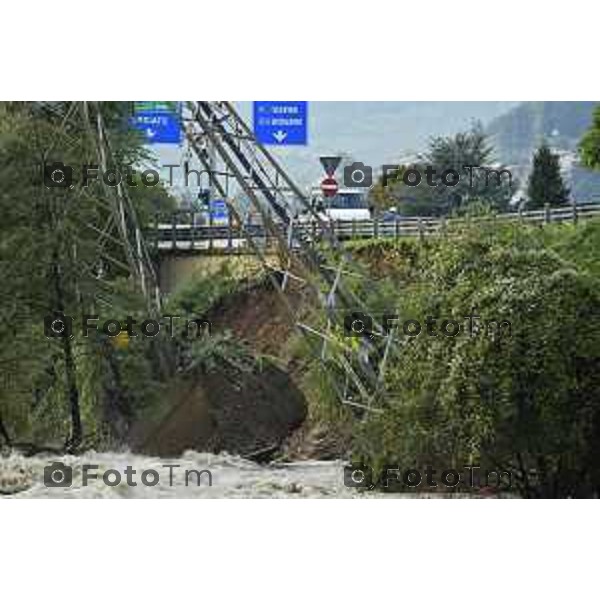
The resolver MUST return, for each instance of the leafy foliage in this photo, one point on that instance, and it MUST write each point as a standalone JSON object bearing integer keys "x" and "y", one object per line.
{"x": 49, "y": 253}
{"x": 467, "y": 153}
{"x": 526, "y": 401}
{"x": 590, "y": 143}
{"x": 202, "y": 292}
{"x": 222, "y": 350}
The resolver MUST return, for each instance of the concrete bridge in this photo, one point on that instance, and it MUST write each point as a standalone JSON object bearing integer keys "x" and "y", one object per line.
{"x": 185, "y": 242}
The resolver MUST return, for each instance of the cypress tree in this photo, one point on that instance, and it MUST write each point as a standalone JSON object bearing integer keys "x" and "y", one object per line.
{"x": 546, "y": 185}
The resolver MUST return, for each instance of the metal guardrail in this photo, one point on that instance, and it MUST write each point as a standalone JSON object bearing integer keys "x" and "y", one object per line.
{"x": 186, "y": 232}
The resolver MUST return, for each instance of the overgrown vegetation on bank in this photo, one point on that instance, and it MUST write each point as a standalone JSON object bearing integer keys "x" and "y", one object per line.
{"x": 528, "y": 403}
{"x": 74, "y": 391}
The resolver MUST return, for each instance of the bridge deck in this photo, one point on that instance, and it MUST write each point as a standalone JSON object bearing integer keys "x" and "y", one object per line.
{"x": 184, "y": 233}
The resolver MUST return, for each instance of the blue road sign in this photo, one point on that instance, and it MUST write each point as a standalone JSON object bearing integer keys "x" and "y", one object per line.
{"x": 219, "y": 212}
{"x": 282, "y": 123}
{"x": 159, "y": 121}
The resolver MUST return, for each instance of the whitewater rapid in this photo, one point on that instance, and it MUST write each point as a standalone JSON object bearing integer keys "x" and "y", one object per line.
{"x": 231, "y": 477}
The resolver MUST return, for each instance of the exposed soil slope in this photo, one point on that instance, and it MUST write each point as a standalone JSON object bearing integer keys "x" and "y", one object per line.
{"x": 227, "y": 410}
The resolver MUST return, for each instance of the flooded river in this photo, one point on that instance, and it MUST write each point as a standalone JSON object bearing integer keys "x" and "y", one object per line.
{"x": 193, "y": 475}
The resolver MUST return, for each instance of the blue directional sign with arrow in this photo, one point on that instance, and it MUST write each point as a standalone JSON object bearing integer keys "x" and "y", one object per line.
{"x": 159, "y": 121}
{"x": 282, "y": 123}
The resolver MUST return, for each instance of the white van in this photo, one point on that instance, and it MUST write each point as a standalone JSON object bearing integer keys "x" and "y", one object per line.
{"x": 349, "y": 204}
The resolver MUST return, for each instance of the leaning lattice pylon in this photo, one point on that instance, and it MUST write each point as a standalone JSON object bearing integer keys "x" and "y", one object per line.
{"x": 113, "y": 226}
{"x": 269, "y": 189}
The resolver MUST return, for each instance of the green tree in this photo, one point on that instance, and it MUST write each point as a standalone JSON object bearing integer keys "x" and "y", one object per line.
{"x": 545, "y": 185}
{"x": 470, "y": 155}
{"x": 55, "y": 257}
{"x": 590, "y": 144}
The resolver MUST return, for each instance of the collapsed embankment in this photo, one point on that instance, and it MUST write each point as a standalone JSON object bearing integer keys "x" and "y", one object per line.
{"x": 248, "y": 412}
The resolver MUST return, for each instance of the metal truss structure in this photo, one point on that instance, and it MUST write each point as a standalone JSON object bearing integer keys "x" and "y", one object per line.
{"x": 119, "y": 245}
{"x": 215, "y": 130}
{"x": 218, "y": 135}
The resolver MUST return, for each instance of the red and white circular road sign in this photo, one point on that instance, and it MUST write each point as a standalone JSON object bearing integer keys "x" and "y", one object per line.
{"x": 329, "y": 187}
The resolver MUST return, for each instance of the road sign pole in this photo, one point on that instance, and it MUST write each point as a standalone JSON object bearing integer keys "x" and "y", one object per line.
{"x": 212, "y": 161}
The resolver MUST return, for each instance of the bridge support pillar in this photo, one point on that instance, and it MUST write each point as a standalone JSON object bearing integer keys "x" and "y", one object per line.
{"x": 177, "y": 269}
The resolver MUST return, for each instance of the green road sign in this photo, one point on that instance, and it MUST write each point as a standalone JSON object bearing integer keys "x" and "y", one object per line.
{"x": 154, "y": 107}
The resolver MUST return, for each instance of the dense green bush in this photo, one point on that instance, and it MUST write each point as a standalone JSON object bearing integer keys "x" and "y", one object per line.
{"x": 529, "y": 402}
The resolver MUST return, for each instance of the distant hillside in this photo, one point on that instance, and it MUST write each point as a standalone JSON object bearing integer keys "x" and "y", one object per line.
{"x": 519, "y": 132}
{"x": 376, "y": 132}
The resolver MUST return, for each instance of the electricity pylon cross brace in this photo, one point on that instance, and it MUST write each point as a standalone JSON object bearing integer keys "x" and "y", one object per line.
{"x": 214, "y": 128}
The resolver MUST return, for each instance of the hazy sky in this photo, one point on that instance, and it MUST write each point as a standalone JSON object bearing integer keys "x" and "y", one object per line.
{"x": 371, "y": 132}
